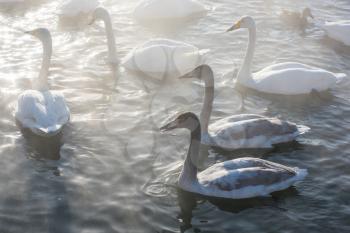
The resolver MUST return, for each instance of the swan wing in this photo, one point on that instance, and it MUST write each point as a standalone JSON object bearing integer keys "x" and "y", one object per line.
{"x": 168, "y": 9}
{"x": 247, "y": 177}
{"x": 173, "y": 58}
{"x": 338, "y": 30}
{"x": 294, "y": 79}
{"x": 252, "y": 133}
{"x": 43, "y": 112}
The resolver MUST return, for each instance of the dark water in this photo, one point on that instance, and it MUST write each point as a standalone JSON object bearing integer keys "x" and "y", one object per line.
{"x": 115, "y": 171}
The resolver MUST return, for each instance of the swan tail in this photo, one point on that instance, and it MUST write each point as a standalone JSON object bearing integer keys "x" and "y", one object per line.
{"x": 300, "y": 174}
{"x": 302, "y": 129}
{"x": 340, "y": 77}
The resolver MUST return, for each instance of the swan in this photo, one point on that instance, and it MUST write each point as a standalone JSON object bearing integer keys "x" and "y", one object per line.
{"x": 159, "y": 58}
{"x": 76, "y": 13}
{"x": 338, "y": 30}
{"x": 296, "y": 18}
{"x": 240, "y": 131}
{"x": 289, "y": 78}
{"x": 235, "y": 179}
{"x": 101, "y": 13}
{"x": 42, "y": 111}
{"x": 155, "y": 10}
{"x": 156, "y": 58}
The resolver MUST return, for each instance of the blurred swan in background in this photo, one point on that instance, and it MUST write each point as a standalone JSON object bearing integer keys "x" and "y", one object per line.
{"x": 76, "y": 13}
{"x": 156, "y": 58}
{"x": 296, "y": 18}
{"x": 159, "y": 58}
{"x": 338, "y": 30}
{"x": 42, "y": 111}
{"x": 288, "y": 78}
{"x": 101, "y": 13}
{"x": 240, "y": 131}
{"x": 154, "y": 10}
{"x": 235, "y": 179}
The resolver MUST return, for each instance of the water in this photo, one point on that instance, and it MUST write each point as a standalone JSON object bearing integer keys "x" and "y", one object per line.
{"x": 115, "y": 171}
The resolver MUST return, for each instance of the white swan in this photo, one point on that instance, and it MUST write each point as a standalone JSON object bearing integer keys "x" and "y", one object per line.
{"x": 236, "y": 179}
{"x": 289, "y": 78}
{"x": 168, "y": 9}
{"x": 240, "y": 131}
{"x": 76, "y": 13}
{"x": 101, "y": 13}
{"x": 42, "y": 111}
{"x": 159, "y": 58}
{"x": 338, "y": 30}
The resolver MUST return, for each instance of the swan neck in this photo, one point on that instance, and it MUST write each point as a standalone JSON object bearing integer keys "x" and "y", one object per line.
{"x": 110, "y": 37}
{"x": 188, "y": 176}
{"x": 208, "y": 101}
{"x": 44, "y": 71}
{"x": 245, "y": 72}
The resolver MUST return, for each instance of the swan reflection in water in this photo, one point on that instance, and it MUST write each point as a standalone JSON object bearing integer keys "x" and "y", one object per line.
{"x": 188, "y": 202}
{"x": 43, "y": 148}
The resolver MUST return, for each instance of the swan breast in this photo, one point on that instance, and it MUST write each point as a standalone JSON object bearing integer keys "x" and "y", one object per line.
{"x": 43, "y": 112}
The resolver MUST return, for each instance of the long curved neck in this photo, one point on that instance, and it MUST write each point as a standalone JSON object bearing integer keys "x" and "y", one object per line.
{"x": 112, "y": 52}
{"x": 44, "y": 71}
{"x": 245, "y": 72}
{"x": 188, "y": 174}
{"x": 208, "y": 101}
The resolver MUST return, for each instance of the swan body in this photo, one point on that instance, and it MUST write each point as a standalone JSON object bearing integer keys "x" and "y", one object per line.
{"x": 71, "y": 8}
{"x": 163, "y": 57}
{"x": 240, "y": 131}
{"x": 296, "y": 18}
{"x": 339, "y": 30}
{"x": 168, "y": 9}
{"x": 41, "y": 111}
{"x": 235, "y": 179}
{"x": 289, "y": 78}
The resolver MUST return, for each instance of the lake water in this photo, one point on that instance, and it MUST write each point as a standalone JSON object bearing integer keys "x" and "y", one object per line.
{"x": 115, "y": 171}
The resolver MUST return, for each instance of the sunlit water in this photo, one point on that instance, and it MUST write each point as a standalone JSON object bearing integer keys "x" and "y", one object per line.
{"x": 117, "y": 173}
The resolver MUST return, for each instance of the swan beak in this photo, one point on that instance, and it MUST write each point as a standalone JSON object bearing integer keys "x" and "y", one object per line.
{"x": 188, "y": 75}
{"x": 234, "y": 27}
{"x": 170, "y": 126}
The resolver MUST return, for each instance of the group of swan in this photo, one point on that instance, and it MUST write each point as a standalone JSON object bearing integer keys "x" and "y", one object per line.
{"x": 235, "y": 179}
{"x": 45, "y": 112}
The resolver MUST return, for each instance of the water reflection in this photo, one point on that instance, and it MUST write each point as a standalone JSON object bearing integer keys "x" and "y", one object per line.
{"x": 188, "y": 202}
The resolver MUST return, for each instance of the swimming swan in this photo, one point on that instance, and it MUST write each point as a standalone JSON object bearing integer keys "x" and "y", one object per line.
{"x": 240, "y": 131}
{"x": 235, "y": 179}
{"x": 338, "y": 30}
{"x": 295, "y": 18}
{"x": 101, "y": 13}
{"x": 289, "y": 78}
{"x": 42, "y": 111}
{"x": 168, "y": 9}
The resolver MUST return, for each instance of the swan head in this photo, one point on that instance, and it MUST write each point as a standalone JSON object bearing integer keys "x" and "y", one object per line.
{"x": 99, "y": 13}
{"x": 42, "y": 34}
{"x": 186, "y": 120}
{"x": 199, "y": 72}
{"x": 244, "y": 22}
{"x": 307, "y": 13}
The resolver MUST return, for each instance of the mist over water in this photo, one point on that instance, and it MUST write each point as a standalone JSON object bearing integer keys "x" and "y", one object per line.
{"x": 112, "y": 170}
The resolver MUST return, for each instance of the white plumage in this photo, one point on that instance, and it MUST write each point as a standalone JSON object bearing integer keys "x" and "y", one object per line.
{"x": 42, "y": 111}
{"x": 168, "y": 9}
{"x": 159, "y": 58}
{"x": 73, "y": 8}
{"x": 338, "y": 30}
{"x": 289, "y": 78}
